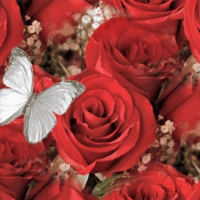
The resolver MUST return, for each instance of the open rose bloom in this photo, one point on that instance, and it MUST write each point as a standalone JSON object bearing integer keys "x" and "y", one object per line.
{"x": 128, "y": 124}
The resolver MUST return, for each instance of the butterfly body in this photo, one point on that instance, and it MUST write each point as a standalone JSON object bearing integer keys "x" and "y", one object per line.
{"x": 29, "y": 103}
{"x": 38, "y": 109}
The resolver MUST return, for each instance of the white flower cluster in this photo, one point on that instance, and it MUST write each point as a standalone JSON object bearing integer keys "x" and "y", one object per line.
{"x": 87, "y": 23}
{"x": 165, "y": 142}
{"x": 146, "y": 158}
{"x": 163, "y": 147}
{"x": 31, "y": 42}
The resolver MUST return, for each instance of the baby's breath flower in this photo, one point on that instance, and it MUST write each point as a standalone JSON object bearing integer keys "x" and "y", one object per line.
{"x": 146, "y": 158}
{"x": 170, "y": 126}
{"x": 171, "y": 144}
{"x": 141, "y": 168}
{"x": 95, "y": 25}
{"x": 38, "y": 44}
{"x": 168, "y": 136}
{"x": 196, "y": 67}
{"x": 163, "y": 140}
{"x": 37, "y": 26}
{"x": 36, "y": 51}
{"x": 160, "y": 117}
{"x": 74, "y": 70}
{"x": 74, "y": 46}
{"x": 65, "y": 46}
{"x": 35, "y": 36}
{"x": 27, "y": 17}
{"x": 164, "y": 129}
{"x": 86, "y": 19}
{"x": 170, "y": 151}
{"x": 30, "y": 41}
{"x": 31, "y": 29}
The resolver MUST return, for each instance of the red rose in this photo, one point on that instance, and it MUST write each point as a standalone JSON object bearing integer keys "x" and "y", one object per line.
{"x": 6, "y": 194}
{"x": 17, "y": 165}
{"x": 195, "y": 194}
{"x": 159, "y": 181}
{"x": 107, "y": 128}
{"x": 148, "y": 10}
{"x": 192, "y": 27}
{"x": 131, "y": 52}
{"x": 165, "y": 15}
{"x": 11, "y": 28}
{"x": 55, "y": 191}
{"x": 182, "y": 107}
{"x": 59, "y": 182}
{"x": 54, "y": 14}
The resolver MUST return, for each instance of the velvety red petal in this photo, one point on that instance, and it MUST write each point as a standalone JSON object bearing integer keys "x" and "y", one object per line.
{"x": 15, "y": 27}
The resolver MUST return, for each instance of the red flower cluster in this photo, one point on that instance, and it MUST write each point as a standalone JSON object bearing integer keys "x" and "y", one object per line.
{"x": 134, "y": 73}
{"x": 107, "y": 129}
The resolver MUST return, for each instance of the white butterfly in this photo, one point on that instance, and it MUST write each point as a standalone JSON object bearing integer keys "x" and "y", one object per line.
{"x": 19, "y": 98}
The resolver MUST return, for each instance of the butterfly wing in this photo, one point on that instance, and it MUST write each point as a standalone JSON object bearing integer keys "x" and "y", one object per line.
{"x": 12, "y": 105}
{"x": 19, "y": 79}
{"x": 40, "y": 118}
{"x": 19, "y": 75}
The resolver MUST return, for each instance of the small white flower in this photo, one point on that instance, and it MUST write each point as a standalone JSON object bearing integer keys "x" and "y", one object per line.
{"x": 146, "y": 158}
{"x": 170, "y": 126}
{"x": 196, "y": 67}
{"x": 98, "y": 18}
{"x": 168, "y": 136}
{"x": 36, "y": 51}
{"x": 27, "y": 17}
{"x": 98, "y": 11}
{"x": 95, "y": 25}
{"x": 141, "y": 168}
{"x": 64, "y": 167}
{"x": 38, "y": 44}
{"x": 74, "y": 46}
{"x": 65, "y": 46}
{"x": 86, "y": 19}
{"x": 70, "y": 40}
{"x": 37, "y": 26}
{"x": 74, "y": 70}
{"x": 90, "y": 11}
{"x": 82, "y": 35}
{"x": 164, "y": 129}
{"x": 35, "y": 36}
{"x": 171, "y": 144}
{"x": 160, "y": 117}
{"x": 170, "y": 151}
{"x": 31, "y": 29}
{"x": 80, "y": 27}
{"x": 30, "y": 41}
{"x": 163, "y": 141}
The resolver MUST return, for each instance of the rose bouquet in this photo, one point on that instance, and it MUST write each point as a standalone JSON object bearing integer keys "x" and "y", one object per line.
{"x": 134, "y": 133}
